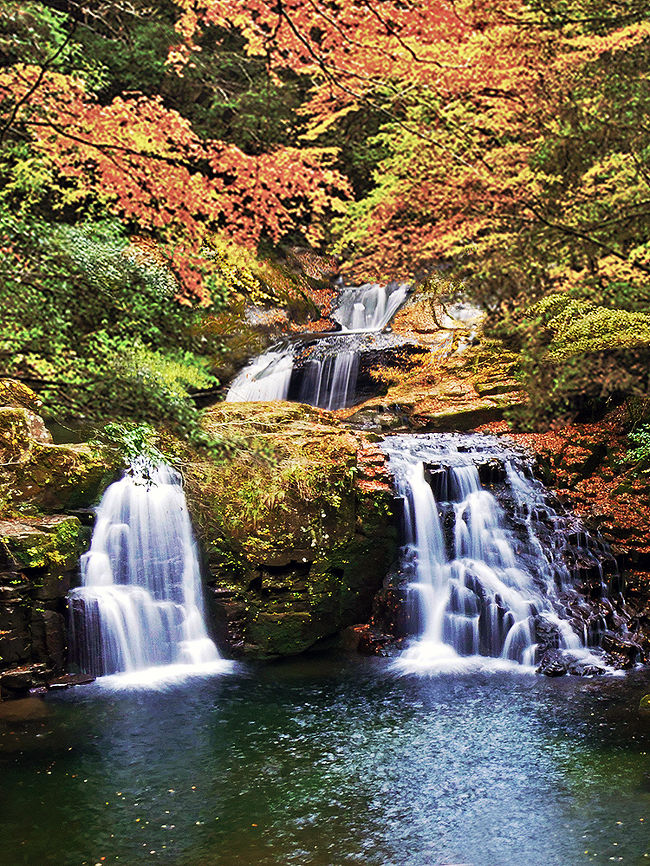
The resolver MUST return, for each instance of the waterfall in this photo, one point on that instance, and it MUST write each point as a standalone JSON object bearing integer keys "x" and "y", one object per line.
{"x": 265, "y": 378}
{"x": 328, "y": 381}
{"x": 485, "y": 580}
{"x": 140, "y": 605}
{"x": 369, "y": 307}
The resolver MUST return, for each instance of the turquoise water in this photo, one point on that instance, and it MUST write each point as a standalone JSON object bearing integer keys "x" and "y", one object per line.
{"x": 332, "y": 761}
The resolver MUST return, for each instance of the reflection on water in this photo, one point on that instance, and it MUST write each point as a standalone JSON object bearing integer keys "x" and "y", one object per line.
{"x": 331, "y": 762}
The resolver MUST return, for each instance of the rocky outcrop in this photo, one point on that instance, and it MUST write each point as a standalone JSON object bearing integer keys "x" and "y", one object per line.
{"x": 39, "y": 545}
{"x": 296, "y": 524}
{"x": 450, "y": 383}
{"x": 38, "y": 561}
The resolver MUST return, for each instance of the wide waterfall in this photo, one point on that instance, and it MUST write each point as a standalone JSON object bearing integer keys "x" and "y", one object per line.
{"x": 329, "y": 378}
{"x": 486, "y": 580}
{"x": 141, "y": 603}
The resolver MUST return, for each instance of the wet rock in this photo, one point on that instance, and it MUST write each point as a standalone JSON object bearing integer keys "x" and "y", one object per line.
{"x": 546, "y": 635}
{"x": 491, "y": 472}
{"x": 553, "y": 664}
{"x": 38, "y": 558}
{"x": 372, "y": 642}
{"x": 623, "y": 654}
{"x": 18, "y": 681}
{"x": 67, "y": 680}
{"x": 584, "y": 669}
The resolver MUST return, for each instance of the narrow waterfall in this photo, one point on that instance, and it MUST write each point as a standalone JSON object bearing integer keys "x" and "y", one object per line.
{"x": 487, "y": 579}
{"x": 330, "y": 383}
{"x": 328, "y": 379}
{"x": 141, "y": 603}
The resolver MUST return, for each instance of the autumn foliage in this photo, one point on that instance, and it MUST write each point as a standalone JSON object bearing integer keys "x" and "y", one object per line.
{"x": 505, "y": 144}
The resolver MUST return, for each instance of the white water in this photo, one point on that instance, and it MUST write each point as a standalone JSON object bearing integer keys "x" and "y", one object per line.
{"x": 267, "y": 377}
{"x": 140, "y": 608}
{"x": 369, "y": 307}
{"x": 330, "y": 381}
{"x": 479, "y": 586}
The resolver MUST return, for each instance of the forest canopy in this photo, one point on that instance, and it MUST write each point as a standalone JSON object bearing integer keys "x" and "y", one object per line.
{"x": 504, "y": 144}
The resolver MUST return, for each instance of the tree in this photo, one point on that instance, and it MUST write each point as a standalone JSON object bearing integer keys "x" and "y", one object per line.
{"x": 138, "y": 159}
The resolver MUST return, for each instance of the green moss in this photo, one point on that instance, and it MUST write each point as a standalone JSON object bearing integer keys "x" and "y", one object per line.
{"x": 52, "y": 544}
{"x": 284, "y": 520}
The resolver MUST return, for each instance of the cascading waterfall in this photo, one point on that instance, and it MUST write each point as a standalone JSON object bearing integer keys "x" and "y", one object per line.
{"x": 329, "y": 380}
{"x": 141, "y": 604}
{"x": 369, "y": 307}
{"x": 267, "y": 377}
{"x": 330, "y": 383}
{"x": 484, "y": 582}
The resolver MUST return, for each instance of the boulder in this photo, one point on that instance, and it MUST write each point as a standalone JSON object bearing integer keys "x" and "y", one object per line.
{"x": 296, "y": 522}
{"x": 38, "y": 559}
{"x": 553, "y": 664}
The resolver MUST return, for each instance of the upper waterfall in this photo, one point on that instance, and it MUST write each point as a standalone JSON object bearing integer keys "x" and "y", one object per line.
{"x": 369, "y": 307}
{"x": 330, "y": 377}
{"x": 141, "y": 602}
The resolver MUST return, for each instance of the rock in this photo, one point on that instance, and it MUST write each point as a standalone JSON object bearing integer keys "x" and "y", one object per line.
{"x": 35, "y": 472}
{"x": 67, "y": 680}
{"x": 623, "y": 654}
{"x": 14, "y": 393}
{"x": 553, "y": 664}
{"x": 491, "y": 472}
{"x": 296, "y": 523}
{"x": 584, "y": 669}
{"x": 51, "y": 544}
{"x": 372, "y": 642}
{"x": 644, "y": 705}
{"x": 18, "y": 681}
{"x": 38, "y": 558}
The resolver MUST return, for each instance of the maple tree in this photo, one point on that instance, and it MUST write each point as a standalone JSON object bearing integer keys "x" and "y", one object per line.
{"x": 137, "y": 158}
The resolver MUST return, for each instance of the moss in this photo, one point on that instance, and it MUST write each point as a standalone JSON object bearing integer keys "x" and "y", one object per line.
{"x": 55, "y": 477}
{"x": 286, "y": 522}
{"x": 53, "y": 544}
{"x": 14, "y": 393}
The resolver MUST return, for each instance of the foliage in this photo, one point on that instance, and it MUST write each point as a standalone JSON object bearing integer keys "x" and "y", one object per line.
{"x": 94, "y": 328}
{"x": 503, "y": 144}
{"x": 132, "y": 442}
{"x": 639, "y": 454}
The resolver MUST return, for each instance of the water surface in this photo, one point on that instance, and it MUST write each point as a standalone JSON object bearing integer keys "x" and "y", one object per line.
{"x": 330, "y": 761}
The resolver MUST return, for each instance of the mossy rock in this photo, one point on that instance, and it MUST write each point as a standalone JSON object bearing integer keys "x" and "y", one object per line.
{"x": 299, "y": 544}
{"x": 644, "y": 705}
{"x": 53, "y": 543}
{"x": 14, "y": 393}
{"x": 36, "y": 473}
{"x": 19, "y": 429}
{"x": 61, "y": 477}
